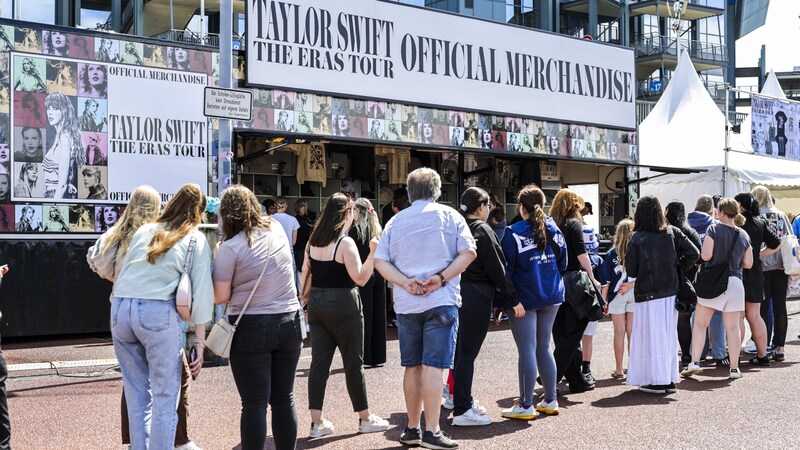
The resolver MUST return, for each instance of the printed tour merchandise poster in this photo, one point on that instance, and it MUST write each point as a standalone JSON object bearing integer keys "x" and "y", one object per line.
{"x": 775, "y": 127}
{"x": 91, "y": 131}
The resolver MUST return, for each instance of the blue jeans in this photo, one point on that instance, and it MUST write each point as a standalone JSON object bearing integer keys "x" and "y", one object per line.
{"x": 147, "y": 341}
{"x": 428, "y": 338}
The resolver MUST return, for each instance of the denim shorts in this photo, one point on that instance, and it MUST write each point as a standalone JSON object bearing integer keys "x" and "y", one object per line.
{"x": 428, "y": 338}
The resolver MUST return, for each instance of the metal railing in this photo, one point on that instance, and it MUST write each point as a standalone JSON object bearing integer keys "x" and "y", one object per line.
{"x": 191, "y": 37}
{"x": 657, "y": 44}
{"x": 643, "y": 108}
{"x": 654, "y": 87}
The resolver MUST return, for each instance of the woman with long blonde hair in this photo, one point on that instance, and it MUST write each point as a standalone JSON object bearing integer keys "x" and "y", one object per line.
{"x": 373, "y": 294}
{"x": 618, "y": 291}
{"x": 145, "y": 325}
{"x": 568, "y": 327}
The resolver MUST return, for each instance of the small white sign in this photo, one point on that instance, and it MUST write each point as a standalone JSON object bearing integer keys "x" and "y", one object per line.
{"x": 228, "y": 104}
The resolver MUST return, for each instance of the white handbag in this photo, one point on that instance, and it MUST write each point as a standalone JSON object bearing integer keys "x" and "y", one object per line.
{"x": 183, "y": 296}
{"x": 790, "y": 253}
{"x": 220, "y": 338}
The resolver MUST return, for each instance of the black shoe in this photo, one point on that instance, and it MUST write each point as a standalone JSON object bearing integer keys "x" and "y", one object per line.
{"x": 759, "y": 361}
{"x": 411, "y": 436}
{"x": 438, "y": 440}
{"x": 670, "y": 388}
{"x": 724, "y": 362}
{"x": 653, "y": 389}
{"x": 589, "y": 378}
{"x": 581, "y": 388}
{"x": 686, "y": 359}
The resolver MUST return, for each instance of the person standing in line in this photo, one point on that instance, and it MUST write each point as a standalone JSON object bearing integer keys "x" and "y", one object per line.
{"x": 105, "y": 258}
{"x": 568, "y": 328}
{"x": 654, "y": 252}
{"x": 776, "y": 282}
{"x": 145, "y": 325}
{"x": 760, "y": 234}
{"x": 536, "y": 255}
{"x": 724, "y": 241}
{"x": 703, "y": 216}
{"x": 5, "y": 419}
{"x": 592, "y": 245}
{"x": 373, "y": 294}
{"x": 305, "y": 219}
{"x": 618, "y": 292}
{"x": 676, "y": 216}
{"x": 290, "y": 224}
{"x": 335, "y": 313}
{"x": 266, "y": 347}
{"x": 479, "y": 282}
{"x": 427, "y": 295}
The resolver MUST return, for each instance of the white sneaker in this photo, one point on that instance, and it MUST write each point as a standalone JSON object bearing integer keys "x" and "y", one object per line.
{"x": 518, "y": 412}
{"x": 323, "y": 429}
{"x": 691, "y": 369}
{"x": 373, "y": 425}
{"x": 750, "y": 347}
{"x": 551, "y": 409}
{"x": 448, "y": 399}
{"x": 735, "y": 374}
{"x": 471, "y": 418}
{"x": 188, "y": 446}
{"x": 478, "y": 408}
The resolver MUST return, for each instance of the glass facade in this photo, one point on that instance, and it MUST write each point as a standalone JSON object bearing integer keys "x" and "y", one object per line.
{"x": 39, "y": 11}
{"x": 516, "y": 12}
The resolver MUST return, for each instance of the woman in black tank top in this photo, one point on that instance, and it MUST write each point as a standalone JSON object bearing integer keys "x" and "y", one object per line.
{"x": 335, "y": 313}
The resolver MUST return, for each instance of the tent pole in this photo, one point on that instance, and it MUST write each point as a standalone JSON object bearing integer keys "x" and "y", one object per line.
{"x": 727, "y": 139}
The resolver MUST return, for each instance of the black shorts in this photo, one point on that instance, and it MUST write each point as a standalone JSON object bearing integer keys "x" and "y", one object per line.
{"x": 753, "y": 292}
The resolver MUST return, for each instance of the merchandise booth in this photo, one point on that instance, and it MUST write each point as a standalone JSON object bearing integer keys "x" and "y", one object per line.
{"x": 335, "y": 109}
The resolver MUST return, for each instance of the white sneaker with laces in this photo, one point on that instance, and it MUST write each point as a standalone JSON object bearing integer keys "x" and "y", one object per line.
{"x": 692, "y": 369}
{"x": 750, "y": 347}
{"x": 323, "y": 429}
{"x": 478, "y": 408}
{"x": 373, "y": 424}
{"x": 551, "y": 409}
{"x": 471, "y": 418}
{"x": 735, "y": 374}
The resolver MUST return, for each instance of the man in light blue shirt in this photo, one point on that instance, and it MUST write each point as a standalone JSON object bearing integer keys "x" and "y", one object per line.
{"x": 423, "y": 251}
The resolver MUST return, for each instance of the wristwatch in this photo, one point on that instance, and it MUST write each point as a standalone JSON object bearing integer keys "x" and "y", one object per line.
{"x": 441, "y": 278}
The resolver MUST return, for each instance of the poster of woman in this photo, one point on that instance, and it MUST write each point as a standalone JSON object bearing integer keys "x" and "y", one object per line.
{"x": 65, "y": 154}
{"x": 29, "y": 218}
{"x": 62, "y": 76}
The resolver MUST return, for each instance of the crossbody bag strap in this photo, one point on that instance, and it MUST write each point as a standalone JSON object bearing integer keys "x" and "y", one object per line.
{"x": 188, "y": 259}
{"x": 247, "y": 303}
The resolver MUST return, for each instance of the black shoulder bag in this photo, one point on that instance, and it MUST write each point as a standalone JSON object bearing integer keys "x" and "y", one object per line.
{"x": 686, "y": 300}
{"x": 712, "y": 280}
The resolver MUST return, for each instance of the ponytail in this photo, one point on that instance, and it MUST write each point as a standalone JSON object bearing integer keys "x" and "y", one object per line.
{"x": 532, "y": 199}
{"x": 472, "y": 199}
{"x": 739, "y": 220}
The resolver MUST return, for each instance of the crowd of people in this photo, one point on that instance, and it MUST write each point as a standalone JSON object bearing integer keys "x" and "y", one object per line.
{"x": 664, "y": 282}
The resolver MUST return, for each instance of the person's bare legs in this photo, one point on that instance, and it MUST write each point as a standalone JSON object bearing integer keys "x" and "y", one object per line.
{"x": 586, "y": 346}
{"x": 758, "y": 329}
{"x": 702, "y": 317}
{"x": 620, "y": 329}
{"x": 412, "y": 382}
{"x": 431, "y": 390}
{"x": 731, "y": 321}
{"x": 629, "y": 329}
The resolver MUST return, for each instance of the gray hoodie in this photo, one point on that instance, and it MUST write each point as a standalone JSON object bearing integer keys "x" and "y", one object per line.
{"x": 781, "y": 226}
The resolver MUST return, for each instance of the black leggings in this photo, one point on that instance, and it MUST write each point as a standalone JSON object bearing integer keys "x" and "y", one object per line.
{"x": 264, "y": 356}
{"x": 473, "y": 324}
{"x": 685, "y": 334}
{"x": 775, "y": 284}
{"x": 373, "y": 301}
{"x": 567, "y": 334}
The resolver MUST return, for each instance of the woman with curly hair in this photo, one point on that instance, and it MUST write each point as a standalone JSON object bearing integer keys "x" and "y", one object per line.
{"x": 94, "y": 81}
{"x": 30, "y": 80}
{"x": 105, "y": 217}
{"x": 568, "y": 327}
{"x": 66, "y": 155}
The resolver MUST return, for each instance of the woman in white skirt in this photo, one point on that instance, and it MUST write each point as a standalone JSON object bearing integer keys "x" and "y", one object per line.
{"x": 656, "y": 252}
{"x": 724, "y": 240}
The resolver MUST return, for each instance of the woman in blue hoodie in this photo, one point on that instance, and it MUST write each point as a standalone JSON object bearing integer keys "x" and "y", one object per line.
{"x": 536, "y": 254}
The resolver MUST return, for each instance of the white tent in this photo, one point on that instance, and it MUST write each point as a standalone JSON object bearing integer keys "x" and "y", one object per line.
{"x": 686, "y": 129}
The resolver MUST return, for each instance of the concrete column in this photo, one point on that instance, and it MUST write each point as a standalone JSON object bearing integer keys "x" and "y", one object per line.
{"x": 592, "y": 31}
{"x": 76, "y": 8}
{"x": 116, "y": 15}
{"x": 138, "y": 17}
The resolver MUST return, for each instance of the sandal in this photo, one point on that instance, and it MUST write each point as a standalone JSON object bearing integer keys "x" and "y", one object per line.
{"x": 617, "y": 375}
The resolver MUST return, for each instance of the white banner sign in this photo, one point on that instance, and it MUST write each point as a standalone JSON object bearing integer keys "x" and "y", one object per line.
{"x": 775, "y": 127}
{"x": 95, "y": 137}
{"x": 377, "y": 49}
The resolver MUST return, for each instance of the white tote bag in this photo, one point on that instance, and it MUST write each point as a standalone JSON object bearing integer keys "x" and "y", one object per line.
{"x": 790, "y": 252}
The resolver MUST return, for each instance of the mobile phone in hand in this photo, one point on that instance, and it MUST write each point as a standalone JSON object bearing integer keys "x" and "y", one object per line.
{"x": 192, "y": 358}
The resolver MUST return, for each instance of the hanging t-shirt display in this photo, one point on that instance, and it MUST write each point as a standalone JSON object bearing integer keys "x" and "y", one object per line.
{"x": 310, "y": 163}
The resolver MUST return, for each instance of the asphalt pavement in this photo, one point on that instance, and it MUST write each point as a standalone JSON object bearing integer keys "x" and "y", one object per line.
{"x": 72, "y": 402}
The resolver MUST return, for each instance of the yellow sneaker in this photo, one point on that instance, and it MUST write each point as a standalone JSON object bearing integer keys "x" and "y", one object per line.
{"x": 518, "y": 412}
